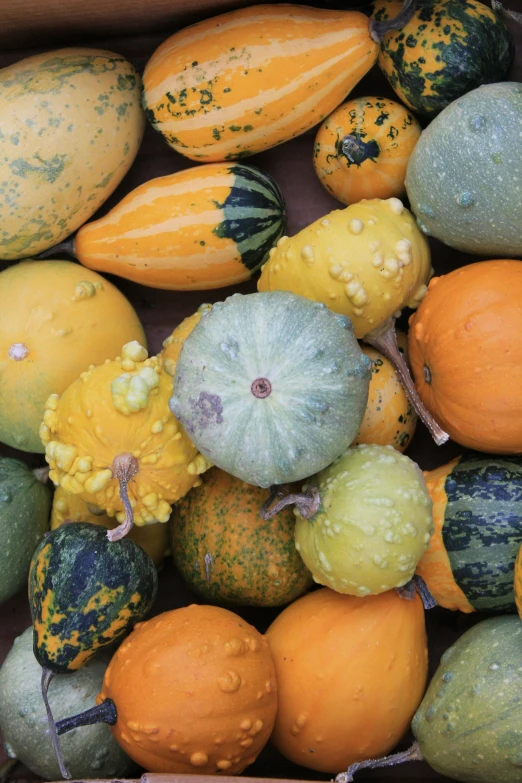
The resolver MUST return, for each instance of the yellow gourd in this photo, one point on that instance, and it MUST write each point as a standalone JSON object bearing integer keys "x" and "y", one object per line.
{"x": 173, "y": 344}
{"x": 112, "y": 440}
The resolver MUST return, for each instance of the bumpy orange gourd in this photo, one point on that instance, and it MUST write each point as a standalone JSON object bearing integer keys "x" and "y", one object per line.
{"x": 351, "y": 673}
{"x": 465, "y": 343}
{"x": 173, "y": 344}
{"x": 195, "y": 692}
{"x": 362, "y": 149}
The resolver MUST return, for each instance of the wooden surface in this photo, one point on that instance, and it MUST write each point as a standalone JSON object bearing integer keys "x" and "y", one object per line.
{"x": 290, "y": 164}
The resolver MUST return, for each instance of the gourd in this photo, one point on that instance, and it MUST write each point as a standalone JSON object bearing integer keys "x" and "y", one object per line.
{"x": 518, "y": 582}
{"x": 468, "y": 198}
{"x": 369, "y": 522}
{"x": 25, "y": 502}
{"x": 362, "y": 149}
{"x": 84, "y": 592}
{"x": 205, "y": 227}
{"x": 366, "y": 261}
{"x": 389, "y": 418}
{"x": 468, "y": 724}
{"x": 57, "y": 318}
{"x": 23, "y": 721}
{"x": 71, "y": 127}
{"x": 350, "y": 674}
{"x": 461, "y": 344}
{"x": 241, "y": 82}
{"x": 477, "y": 514}
{"x": 173, "y": 344}
{"x": 221, "y": 672}
{"x": 111, "y": 440}
{"x": 445, "y": 50}
{"x": 227, "y": 553}
{"x": 154, "y": 539}
{"x": 271, "y": 386}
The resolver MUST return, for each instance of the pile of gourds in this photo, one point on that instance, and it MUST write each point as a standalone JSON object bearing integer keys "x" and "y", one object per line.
{"x": 263, "y": 445}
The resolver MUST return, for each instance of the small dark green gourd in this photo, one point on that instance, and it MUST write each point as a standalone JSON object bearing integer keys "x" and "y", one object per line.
{"x": 85, "y": 592}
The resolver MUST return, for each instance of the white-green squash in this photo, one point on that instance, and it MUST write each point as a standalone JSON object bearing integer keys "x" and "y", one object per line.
{"x": 464, "y": 177}
{"x": 71, "y": 127}
{"x": 271, "y": 387}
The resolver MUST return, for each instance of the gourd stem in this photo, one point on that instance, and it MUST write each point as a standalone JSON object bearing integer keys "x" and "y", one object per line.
{"x": 412, "y": 754}
{"x": 47, "y": 676}
{"x": 384, "y": 339}
{"x": 66, "y": 247}
{"x": 101, "y": 713}
{"x": 378, "y": 29}
{"x": 42, "y": 474}
{"x": 417, "y": 585}
{"x": 307, "y": 503}
{"x": 6, "y": 768}
{"x": 498, "y": 7}
{"x": 124, "y": 467}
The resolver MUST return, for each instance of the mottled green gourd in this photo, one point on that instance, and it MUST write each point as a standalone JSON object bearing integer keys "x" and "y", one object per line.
{"x": 271, "y": 387}
{"x": 373, "y": 524}
{"x": 92, "y": 753}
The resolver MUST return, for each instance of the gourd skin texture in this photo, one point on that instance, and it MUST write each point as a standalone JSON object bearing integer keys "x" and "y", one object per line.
{"x": 365, "y": 261}
{"x": 303, "y": 355}
{"x": 71, "y": 127}
{"x": 24, "y": 518}
{"x": 518, "y": 582}
{"x": 373, "y": 525}
{"x": 239, "y": 83}
{"x": 462, "y": 343}
{"x": 383, "y": 136}
{"x": 477, "y": 512}
{"x": 205, "y": 227}
{"x": 464, "y": 174}
{"x": 83, "y": 431}
{"x": 448, "y": 48}
{"x": 89, "y": 753}
{"x": 57, "y": 318}
{"x": 468, "y": 725}
{"x": 195, "y": 692}
{"x": 85, "y": 592}
{"x": 173, "y": 344}
{"x": 350, "y": 672}
{"x": 227, "y": 553}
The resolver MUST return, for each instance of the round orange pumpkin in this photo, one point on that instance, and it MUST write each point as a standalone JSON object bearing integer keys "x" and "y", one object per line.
{"x": 350, "y": 672}
{"x": 465, "y": 344}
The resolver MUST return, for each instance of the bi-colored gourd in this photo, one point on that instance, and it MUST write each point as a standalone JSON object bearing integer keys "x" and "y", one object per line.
{"x": 173, "y": 344}
{"x": 463, "y": 177}
{"x": 205, "y": 227}
{"x": 463, "y": 343}
{"x": 271, "y": 386}
{"x": 111, "y": 439}
{"x": 350, "y": 672}
{"x": 242, "y": 82}
{"x": 221, "y": 673}
{"x": 227, "y": 553}
{"x": 362, "y": 149}
{"x": 57, "y": 318}
{"x": 445, "y": 50}
{"x": 71, "y": 127}
{"x": 477, "y": 513}
{"x": 23, "y": 720}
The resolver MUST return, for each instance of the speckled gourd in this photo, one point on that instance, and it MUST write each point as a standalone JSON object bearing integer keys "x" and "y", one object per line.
{"x": 71, "y": 127}
{"x": 111, "y": 439}
{"x": 271, "y": 387}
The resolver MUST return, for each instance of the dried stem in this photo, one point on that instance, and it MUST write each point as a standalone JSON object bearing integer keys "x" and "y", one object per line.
{"x": 124, "y": 467}
{"x": 47, "y": 676}
{"x": 378, "y": 29}
{"x": 6, "y": 768}
{"x": 63, "y": 248}
{"x": 101, "y": 713}
{"x": 384, "y": 339}
{"x": 412, "y": 754}
{"x": 307, "y": 503}
{"x": 42, "y": 474}
{"x": 498, "y": 7}
{"x": 417, "y": 585}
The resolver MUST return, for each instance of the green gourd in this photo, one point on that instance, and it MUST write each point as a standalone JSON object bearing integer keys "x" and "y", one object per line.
{"x": 23, "y": 721}
{"x": 25, "y": 505}
{"x": 271, "y": 387}
{"x": 463, "y": 177}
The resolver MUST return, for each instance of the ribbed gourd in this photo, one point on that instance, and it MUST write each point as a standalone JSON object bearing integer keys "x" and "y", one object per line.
{"x": 173, "y": 344}
{"x": 271, "y": 386}
{"x": 112, "y": 440}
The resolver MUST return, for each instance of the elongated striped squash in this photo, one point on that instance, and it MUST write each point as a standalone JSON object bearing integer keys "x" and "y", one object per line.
{"x": 205, "y": 227}
{"x": 477, "y": 514}
{"x": 244, "y": 81}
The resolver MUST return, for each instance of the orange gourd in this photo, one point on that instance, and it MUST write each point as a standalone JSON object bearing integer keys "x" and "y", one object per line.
{"x": 173, "y": 344}
{"x": 465, "y": 343}
{"x": 351, "y": 673}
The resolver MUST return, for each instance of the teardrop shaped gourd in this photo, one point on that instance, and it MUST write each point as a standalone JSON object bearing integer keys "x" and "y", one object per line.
{"x": 271, "y": 386}
{"x": 173, "y": 344}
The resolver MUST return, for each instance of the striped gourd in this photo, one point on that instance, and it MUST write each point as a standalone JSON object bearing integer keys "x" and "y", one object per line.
{"x": 477, "y": 513}
{"x": 205, "y": 227}
{"x": 242, "y": 82}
